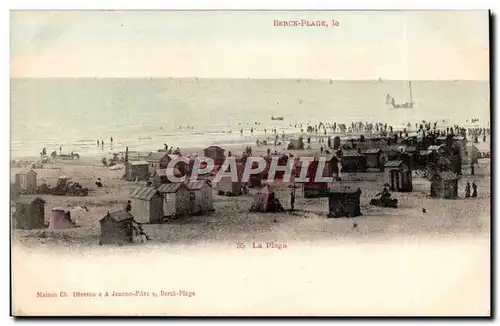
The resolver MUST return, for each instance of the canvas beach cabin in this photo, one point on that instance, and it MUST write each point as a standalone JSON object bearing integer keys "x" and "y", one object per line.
{"x": 175, "y": 199}
{"x": 147, "y": 205}
{"x": 200, "y": 196}
{"x": 136, "y": 170}
{"x": 398, "y": 176}
{"x": 117, "y": 228}
{"x": 29, "y": 214}
{"x": 344, "y": 200}
{"x": 26, "y": 180}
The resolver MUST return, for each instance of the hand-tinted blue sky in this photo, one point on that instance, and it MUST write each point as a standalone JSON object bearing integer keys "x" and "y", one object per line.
{"x": 365, "y": 45}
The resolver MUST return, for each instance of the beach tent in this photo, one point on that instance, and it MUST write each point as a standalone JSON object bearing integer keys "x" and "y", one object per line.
{"x": 147, "y": 205}
{"x": 26, "y": 179}
{"x": 200, "y": 196}
{"x": 375, "y": 158}
{"x": 344, "y": 200}
{"x": 398, "y": 176}
{"x": 117, "y": 228}
{"x": 175, "y": 199}
{"x": 470, "y": 155}
{"x": 265, "y": 201}
{"x": 444, "y": 185}
{"x": 313, "y": 189}
{"x": 136, "y": 170}
{"x": 216, "y": 153}
{"x": 157, "y": 160}
{"x": 228, "y": 187}
{"x": 59, "y": 219}
{"x": 352, "y": 161}
{"x": 29, "y": 214}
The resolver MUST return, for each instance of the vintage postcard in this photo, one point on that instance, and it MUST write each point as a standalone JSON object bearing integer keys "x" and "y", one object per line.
{"x": 250, "y": 163}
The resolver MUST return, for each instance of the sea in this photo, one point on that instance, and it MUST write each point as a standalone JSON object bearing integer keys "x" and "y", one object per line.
{"x": 146, "y": 113}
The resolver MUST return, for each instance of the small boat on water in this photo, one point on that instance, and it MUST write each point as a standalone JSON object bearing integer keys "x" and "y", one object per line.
{"x": 277, "y": 118}
{"x": 406, "y": 105}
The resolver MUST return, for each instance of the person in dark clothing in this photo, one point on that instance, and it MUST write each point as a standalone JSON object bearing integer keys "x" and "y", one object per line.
{"x": 467, "y": 190}
{"x": 98, "y": 183}
{"x": 384, "y": 195}
{"x": 68, "y": 216}
{"x": 292, "y": 199}
{"x": 472, "y": 169}
{"x": 129, "y": 206}
{"x": 474, "y": 189}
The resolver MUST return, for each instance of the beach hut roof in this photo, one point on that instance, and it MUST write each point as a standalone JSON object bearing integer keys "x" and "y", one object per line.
{"x": 119, "y": 216}
{"x": 434, "y": 147}
{"x": 59, "y": 209}
{"x": 393, "y": 164}
{"x": 266, "y": 189}
{"x": 143, "y": 193}
{"x": 446, "y": 176}
{"x": 28, "y": 200}
{"x": 339, "y": 188}
{"x": 458, "y": 138}
{"x": 170, "y": 187}
{"x": 155, "y": 157}
{"x": 173, "y": 156}
{"x": 214, "y": 148}
{"x": 331, "y": 157}
{"x": 441, "y": 138}
{"x": 163, "y": 172}
{"x": 410, "y": 149}
{"x": 372, "y": 151}
{"x": 392, "y": 148}
{"x": 26, "y": 171}
{"x": 196, "y": 185}
{"x": 138, "y": 162}
{"x": 351, "y": 153}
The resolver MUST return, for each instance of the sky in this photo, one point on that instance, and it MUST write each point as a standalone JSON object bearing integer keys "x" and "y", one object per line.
{"x": 397, "y": 45}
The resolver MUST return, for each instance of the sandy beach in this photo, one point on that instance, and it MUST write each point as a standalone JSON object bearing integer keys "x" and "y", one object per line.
{"x": 434, "y": 263}
{"x": 232, "y": 221}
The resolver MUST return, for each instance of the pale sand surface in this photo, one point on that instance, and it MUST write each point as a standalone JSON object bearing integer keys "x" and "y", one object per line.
{"x": 397, "y": 261}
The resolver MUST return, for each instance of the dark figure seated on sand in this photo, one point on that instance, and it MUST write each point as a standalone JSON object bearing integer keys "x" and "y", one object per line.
{"x": 275, "y": 206}
{"x": 67, "y": 214}
{"x": 384, "y": 195}
{"x": 98, "y": 183}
